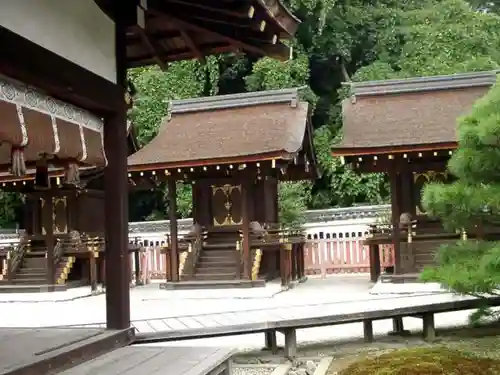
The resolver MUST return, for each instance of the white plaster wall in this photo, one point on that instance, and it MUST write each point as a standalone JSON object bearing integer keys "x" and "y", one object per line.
{"x": 75, "y": 29}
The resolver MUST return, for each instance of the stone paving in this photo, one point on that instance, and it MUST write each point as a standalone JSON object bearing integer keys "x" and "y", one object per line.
{"x": 149, "y": 302}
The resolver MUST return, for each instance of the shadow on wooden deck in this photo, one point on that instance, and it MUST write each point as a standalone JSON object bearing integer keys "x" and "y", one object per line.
{"x": 50, "y": 350}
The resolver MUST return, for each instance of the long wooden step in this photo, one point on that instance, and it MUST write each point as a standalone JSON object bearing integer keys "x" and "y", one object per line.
{"x": 203, "y": 269}
{"x": 214, "y": 276}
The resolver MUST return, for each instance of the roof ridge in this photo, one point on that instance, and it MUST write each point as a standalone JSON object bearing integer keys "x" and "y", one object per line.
{"x": 234, "y": 100}
{"x": 422, "y": 84}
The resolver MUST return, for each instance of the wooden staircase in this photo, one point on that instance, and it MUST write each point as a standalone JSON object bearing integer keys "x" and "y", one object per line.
{"x": 30, "y": 271}
{"x": 219, "y": 259}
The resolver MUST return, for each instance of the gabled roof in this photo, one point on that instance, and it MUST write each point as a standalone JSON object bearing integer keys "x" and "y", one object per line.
{"x": 410, "y": 114}
{"x": 228, "y": 128}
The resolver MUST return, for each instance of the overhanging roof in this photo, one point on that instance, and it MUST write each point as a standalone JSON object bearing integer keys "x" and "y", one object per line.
{"x": 410, "y": 114}
{"x": 186, "y": 29}
{"x": 228, "y": 128}
{"x": 88, "y": 172}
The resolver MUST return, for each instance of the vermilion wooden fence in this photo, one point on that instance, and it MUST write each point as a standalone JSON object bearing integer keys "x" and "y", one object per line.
{"x": 342, "y": 255}
{"x": 322, "y": 257}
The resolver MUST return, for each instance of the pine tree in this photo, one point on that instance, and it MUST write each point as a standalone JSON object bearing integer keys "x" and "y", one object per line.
{"x": 471, "y": 203}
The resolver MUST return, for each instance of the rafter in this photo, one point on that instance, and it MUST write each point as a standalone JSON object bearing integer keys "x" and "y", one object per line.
{"x": 272, "y": 50}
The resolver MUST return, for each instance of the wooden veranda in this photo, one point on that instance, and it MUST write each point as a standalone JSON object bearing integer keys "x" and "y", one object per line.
{"x": 63, "y": 100}
{"x": 233, "y": 150}
{"x": 407, "y": 129}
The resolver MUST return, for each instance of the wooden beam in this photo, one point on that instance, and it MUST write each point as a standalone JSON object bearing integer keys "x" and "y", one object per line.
{"x": 34, "y": 65}
{"x": 180, "y": 54}
{"x": 384, "y": 166}
{"x": 238, "y": 40}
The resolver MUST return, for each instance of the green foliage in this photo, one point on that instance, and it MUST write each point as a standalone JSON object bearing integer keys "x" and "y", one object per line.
{"x": 10, "y": 204}
{"x": 293, "y": 199}
{"x": 155, "y": 88}
{"x": 424, "y": 361}
{"x": 184, "y": 200}
{"x": 440, "y": 37}
{"x": 472, "y": 202}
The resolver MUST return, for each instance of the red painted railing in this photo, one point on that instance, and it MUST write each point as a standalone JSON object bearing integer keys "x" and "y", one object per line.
{"x": 322, "y": 257}
{"x": 342, "y": 255}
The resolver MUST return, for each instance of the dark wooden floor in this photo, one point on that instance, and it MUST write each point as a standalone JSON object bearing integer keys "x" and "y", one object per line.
{"x": 40, "y": 351}
{"x": 80, "y": 351}
{"x": 144, "y": 360}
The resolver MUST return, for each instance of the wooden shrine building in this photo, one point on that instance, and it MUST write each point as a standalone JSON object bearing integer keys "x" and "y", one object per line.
{"x": 64, "y": 96}
{"x": 233, "y": 149}
{"x": 407, "y": 129}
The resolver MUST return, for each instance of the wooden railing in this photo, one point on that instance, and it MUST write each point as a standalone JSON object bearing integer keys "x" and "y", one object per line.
{"x": 194, "y": 248}
{"x": 288, "y": 244}
{"x": 15, "y": 257}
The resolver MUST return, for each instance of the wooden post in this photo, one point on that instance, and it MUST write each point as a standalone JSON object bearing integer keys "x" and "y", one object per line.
{"x": 93, "y": 270}
{"x": 116, "y": 195}
{"x": 282, "y": 257}
{"x": 301, "y": 269}
{"x": 294, "y": 262}
{"x": 137, "y": 265}
{"x": 396, "y": 212}
{"x": 245, "y": 213}
{"x": 172, "y": 216}
{"x": 374, "y": 262}
{"x": 368, "y": 330}
{"x": 48, "y": 223}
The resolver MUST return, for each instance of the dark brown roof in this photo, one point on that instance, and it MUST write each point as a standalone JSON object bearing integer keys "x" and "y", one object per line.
{"x": 267, "y": 124}
{"x": 187, "y": 29}
{"x": 413, "y": 112}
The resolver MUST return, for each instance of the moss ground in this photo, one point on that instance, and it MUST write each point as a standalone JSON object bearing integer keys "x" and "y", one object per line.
{"x": 424, "y": 361}
{"x": 457, "y": 352}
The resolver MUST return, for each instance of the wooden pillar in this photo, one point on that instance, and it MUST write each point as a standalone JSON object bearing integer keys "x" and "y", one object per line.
{"x": 48, "y": 224}
{"x": 374, "y": 250}
{"x": 294, "y": 263}
{"x": 396, "y": 201}
{"x": 172, "y": 216}
{"x": 116, "y": 196}
{"x": 245, "y": 213}
{"x": 93, "y": 271}
{"x": 407, "y": 195}
{"x": 195, "y": 201}
{"x": 137, "y": 266}
{"x": 28, "y": 214}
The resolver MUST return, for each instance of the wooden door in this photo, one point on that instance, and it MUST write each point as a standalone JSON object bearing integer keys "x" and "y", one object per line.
{"x": 226, "y": 205}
